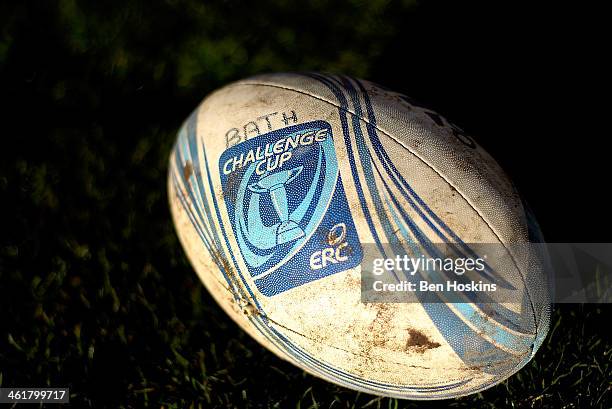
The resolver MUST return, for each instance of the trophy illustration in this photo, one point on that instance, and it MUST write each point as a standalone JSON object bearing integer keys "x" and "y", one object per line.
{"x": 274, "y": 183}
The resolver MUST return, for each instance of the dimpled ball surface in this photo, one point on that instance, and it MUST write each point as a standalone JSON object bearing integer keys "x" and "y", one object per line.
{"x": 277, "y": 185}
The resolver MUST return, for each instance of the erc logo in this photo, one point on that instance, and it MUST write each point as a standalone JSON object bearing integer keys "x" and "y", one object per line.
{"x": 287, "y": 207}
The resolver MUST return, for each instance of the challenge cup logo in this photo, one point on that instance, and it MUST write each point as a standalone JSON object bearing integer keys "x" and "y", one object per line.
{"x": 283, "y": 193}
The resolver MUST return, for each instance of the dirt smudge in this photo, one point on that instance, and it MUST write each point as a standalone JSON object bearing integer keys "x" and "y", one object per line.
{"x": 187, "y": 170}
{"x": 419, "y": 342}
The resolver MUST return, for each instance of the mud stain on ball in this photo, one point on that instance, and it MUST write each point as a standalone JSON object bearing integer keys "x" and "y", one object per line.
{"x": 419, "y": 342}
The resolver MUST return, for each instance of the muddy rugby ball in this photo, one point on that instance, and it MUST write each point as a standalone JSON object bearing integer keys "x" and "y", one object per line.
{"x": 278, "y": 184}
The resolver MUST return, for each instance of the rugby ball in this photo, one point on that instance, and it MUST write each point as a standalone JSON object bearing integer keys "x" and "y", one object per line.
{"x": 281, "y": 188}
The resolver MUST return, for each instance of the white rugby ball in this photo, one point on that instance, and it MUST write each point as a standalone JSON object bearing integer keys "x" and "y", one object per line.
{"x": 277, "y": 185}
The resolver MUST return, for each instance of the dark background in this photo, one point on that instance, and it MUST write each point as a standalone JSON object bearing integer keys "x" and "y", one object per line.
{"x": 95, "y": 291}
